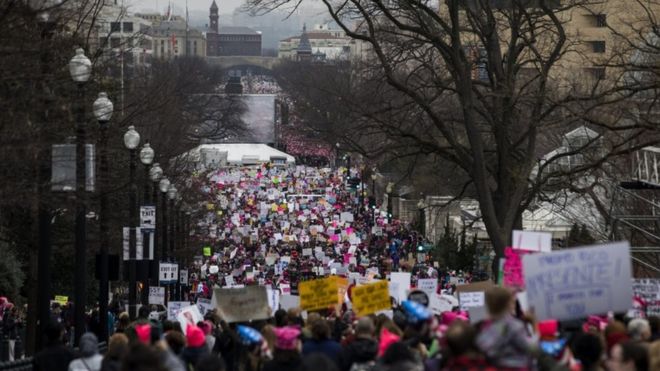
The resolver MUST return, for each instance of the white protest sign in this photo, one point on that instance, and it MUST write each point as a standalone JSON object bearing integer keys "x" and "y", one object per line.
{"x": 401, "y": 281}
{"x": 346, "y": 217}
{"x": 204, "y": 305}
{"x": 183, "y": 277}
{"x": 189, "y": 316}
{"x": 273, "y": 299}
{"x": 157, "y": 295}
{"x": 471, "y": 299}
{"x": 173, "y": 308}
{"x": 575, "y": 283}
{"x": 532, "y": 241}
{"x": 648, "y": 289}
{"x": 242, "y": 304}
{"x": 428, "y": 285}
{"x": 289, "y": 301}
{"x": 442, "y": 303}
{"x": 307, "y": 252}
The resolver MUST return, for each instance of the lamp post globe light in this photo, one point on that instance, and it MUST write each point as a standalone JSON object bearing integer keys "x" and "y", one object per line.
{"x": 80, "y": 68}
{"x": 155, "y": 172}
{"x": 164, "y": 184}
{"x": 147, "y": 154}
{"x": 131, "y": 142}
{"x": 171, "y": 192}
{"x": 171, "y": 196}
{"x": 103, "y": 108}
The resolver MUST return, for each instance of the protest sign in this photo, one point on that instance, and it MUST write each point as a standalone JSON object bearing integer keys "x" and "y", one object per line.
{"x": 648, "y": 289}
{"x": 346, "y": 217}
{"x": 61, "y": 299}
{"x": 575, "y": 283}
{"x": 189, "y": 316}
{"x": 157, "y": 295}
{"x": 532, "y": 241}
{"x": 273, "y": 299}
{"x": 319, "y": 294}
{"x": 242, "y": 304}
{"x": 371, "y": 298}
{"x": 428, "y": 285}
{"x": 206, "y": 251}
{"x": 476, "y": 286}
{"x": 173, "y": 308}
{"x": 442, "y": 303}
{"x": 204, "y": 305}
{"x": 401, "y": 283}
{"x": 289, "y": 301}
{"x": 471, "y": 299}
{"x": 513, "y": 275}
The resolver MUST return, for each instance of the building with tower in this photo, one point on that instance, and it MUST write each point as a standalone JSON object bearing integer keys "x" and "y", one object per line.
{"x": 230, "y": 41}
{"x": 318, "y": 44}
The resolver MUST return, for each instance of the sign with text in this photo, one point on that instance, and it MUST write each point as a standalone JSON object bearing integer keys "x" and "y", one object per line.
{"x": 319, "y": 294}
{"x": 148, "y": 217}
{"x": 471, "y": 299}
{"x": 189, "y": 316}
{"x": 513, "y": 271}
{"x": 173, "y": 308}
{"x": 168, "y": 273}
{"x": 157, "y": 295}
{"x": 533, "y": 241}
{"x": 428, "y": 285}
{"x": 575, "y": 283}
{"x": 183, "y": 277}
{"x": 139, "y": 247}
{"x": 205, "y": 305}
{"x": 648, "y": 289}
{"x": 242, "y": 304}
{"x": 371, "y": 298}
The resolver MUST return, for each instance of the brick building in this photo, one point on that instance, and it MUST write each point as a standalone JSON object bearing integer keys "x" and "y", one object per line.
{"x": 230, "y": 41}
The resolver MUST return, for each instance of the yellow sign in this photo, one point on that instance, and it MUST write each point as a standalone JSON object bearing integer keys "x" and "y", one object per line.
{"x": 371, "y": 298}
{"x": 207, "y": 250}
{"x": 61, "y": 299}
{"x": 319, "y": 294}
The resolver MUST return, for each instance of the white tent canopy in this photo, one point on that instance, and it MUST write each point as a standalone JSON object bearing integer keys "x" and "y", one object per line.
{"x": 237, "y": 154}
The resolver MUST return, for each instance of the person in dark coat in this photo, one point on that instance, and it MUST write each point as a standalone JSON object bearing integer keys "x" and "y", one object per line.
{"x": 117, "y": 347}
{"x": 321, "y": 341}
{"x": 196, "y": 347}
{"x": 361, "y": 350}
{"x": 287, "y": 350}
{"x": 55, "y": 356}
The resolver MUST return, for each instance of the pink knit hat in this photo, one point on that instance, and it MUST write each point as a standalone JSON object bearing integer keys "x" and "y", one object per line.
{"x": 195, "y": 336}
{"x": 386, "y": 339}
{"x": 286, "y": 337}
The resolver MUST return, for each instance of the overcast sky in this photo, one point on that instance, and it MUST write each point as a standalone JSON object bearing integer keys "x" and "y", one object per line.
{"x": 194, "y": 6}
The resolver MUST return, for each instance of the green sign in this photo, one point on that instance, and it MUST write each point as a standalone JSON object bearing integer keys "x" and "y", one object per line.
{"x": 207, "y": 250}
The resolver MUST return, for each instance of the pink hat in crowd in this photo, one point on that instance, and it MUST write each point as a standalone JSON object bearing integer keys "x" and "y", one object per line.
{"x": 206, "y": 327}
{"x": 286, "y": 337}
{"x": 549, "y": 329}
{"x": 143, "y": 333}
{"x": 386, "y": 339}
{"x": 195, "y": 336}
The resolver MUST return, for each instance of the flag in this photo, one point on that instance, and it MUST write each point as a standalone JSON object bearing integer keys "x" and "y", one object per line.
{"x": 169, "y": 11}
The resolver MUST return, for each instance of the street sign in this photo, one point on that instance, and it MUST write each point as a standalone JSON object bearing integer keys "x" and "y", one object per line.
{"x": 168, "y": 273}
{"x": 183, "y": 277}
{"x": 148, "y": 217}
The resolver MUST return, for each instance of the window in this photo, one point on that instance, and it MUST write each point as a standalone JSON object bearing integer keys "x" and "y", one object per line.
{"x": 601, "y": 20}
{"x": 115, "y": 27}
{"x": 596, "y": 73}
{"x": 195, "y": 47}
{"x": 597, "y": 46}
{"x": 115, "y": 42}
{"x": 128, "y": 26}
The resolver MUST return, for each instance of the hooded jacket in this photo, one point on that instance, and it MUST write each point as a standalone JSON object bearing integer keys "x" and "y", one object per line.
{"x": 360, "y": 350}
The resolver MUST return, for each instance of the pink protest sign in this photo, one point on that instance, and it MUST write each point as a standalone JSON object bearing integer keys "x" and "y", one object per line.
{"x": 513, "y": 270}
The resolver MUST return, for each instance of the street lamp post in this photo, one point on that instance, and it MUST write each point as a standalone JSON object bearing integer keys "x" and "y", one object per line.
{"x": 373, "y": 194}
{"x": 131, "y": 142}
{"x": 146, "y": 158}
{"x": 389, "y": 189}
{"x": 103, "y": 112}
{"x": 163, "y": 186}
{"x": 422, "y": 218}
{"x": 171, "y": 196}
{"x": 155, "y": 174}
{"x": 80, "y": 68}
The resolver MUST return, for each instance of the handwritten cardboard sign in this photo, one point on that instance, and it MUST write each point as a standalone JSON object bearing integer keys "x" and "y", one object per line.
{"x": 575, "y": 283}
{"x": 648, "y": 289}
{"x": 428, "y": 285}
{"x": 319, "y": 294}
{"x": 242, "y": 304}
{"x": 471, "y": 299}
{"x": 533, "y": 241}
{"x": 513, "y": 270}
{"x": 371, "y": 298}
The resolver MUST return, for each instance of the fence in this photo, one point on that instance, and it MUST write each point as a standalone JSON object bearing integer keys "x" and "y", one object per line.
{"x": 25, "y": 364}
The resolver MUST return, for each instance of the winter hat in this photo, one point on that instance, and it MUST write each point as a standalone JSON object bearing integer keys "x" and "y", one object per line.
{"x": 386, "y": 339}
{"x": 195, "y": 337}
{"x": 143, "y": 333}
{"x": 447, "y": 318}
{"x": 415, "y": 312}
{"x": 286, "y": 337}
{"x": 548, "y": 329}
{"x": 89, "y": 344}
{"x": 249, "y": 335}
{"x": 206, "y": 327}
